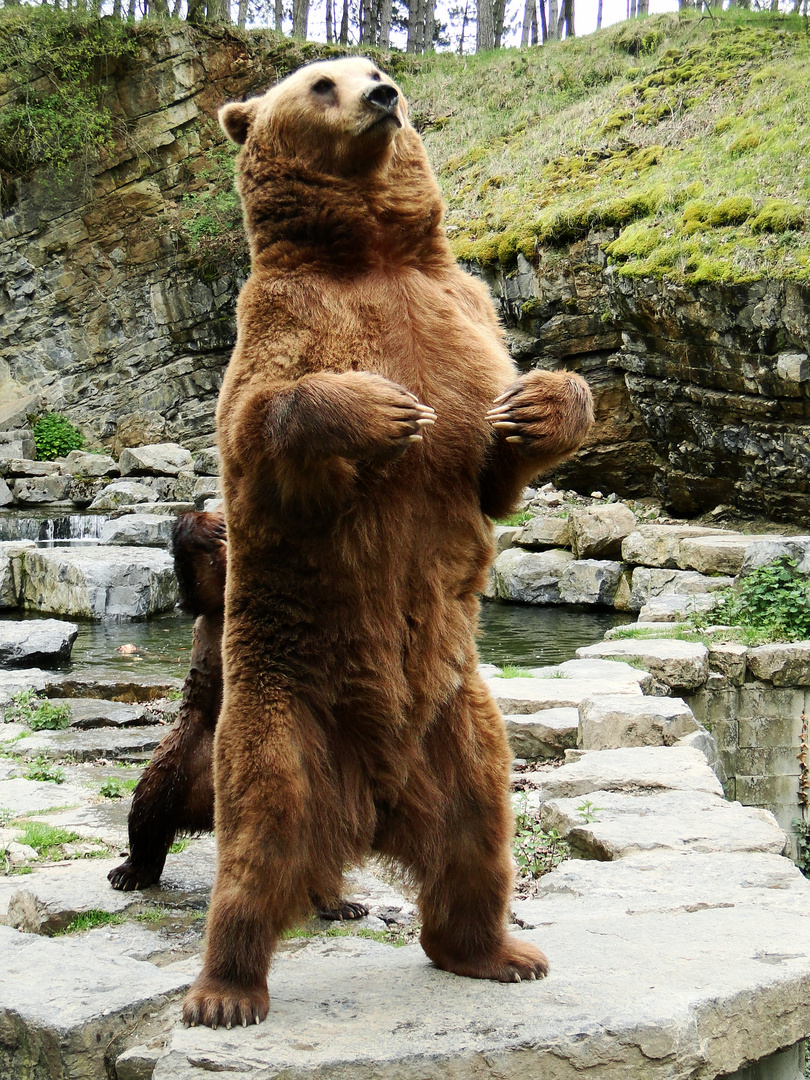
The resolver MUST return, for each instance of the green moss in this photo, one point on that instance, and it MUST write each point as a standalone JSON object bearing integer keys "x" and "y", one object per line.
{"x": 636, "y": 241}
{"x": 730, "y": 211}
{"x": 777, "y": 216}
{"x": 748, "y": 140}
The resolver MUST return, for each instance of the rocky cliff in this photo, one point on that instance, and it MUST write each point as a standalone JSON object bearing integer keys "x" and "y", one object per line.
{"x": 108, "y": 316}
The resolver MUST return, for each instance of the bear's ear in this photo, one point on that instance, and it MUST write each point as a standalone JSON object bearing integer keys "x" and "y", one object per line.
{"x": 236, "y": 118}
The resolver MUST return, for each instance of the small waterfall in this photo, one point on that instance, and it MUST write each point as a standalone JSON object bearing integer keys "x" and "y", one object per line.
{"x": 66, "y": 530}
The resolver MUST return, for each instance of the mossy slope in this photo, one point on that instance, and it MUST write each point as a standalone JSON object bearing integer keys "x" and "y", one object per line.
{"x": 688, "y": 135}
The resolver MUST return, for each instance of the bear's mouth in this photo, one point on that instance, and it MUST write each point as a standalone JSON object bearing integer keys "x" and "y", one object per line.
{"x": 386, "y": 118}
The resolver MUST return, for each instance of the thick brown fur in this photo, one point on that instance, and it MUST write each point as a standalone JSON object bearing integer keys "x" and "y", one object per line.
{"x": 354, "y": 719}
{"x": 176, "y": 791}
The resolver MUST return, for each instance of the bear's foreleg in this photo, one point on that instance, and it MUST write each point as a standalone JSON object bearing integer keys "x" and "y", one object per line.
{"x": 459, "y": 849}
{"x": 539, "y": 421}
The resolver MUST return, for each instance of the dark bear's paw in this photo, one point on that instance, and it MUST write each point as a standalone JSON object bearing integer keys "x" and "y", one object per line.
{"x": 344, "y": 909}
{"x": 544, "y": 412}
{"x": 128, "y": 877}
{"x": 217, "y": 1003}
{"x": 382, "y": 418}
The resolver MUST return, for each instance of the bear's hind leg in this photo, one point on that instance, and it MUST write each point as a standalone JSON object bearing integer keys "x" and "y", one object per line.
{"x": 461, "y": 851}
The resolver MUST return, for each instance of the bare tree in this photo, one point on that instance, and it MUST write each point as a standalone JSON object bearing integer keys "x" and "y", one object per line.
{"x": 498, "y": 15}
{"x": 300, "y": 18}
{"x": 344, "y": 24}
{"x": 485, "y": 26}
{"x": 599, "y": 15}
{"x": 642, "y": 8}
{"x": 553, "y": 21}
{"x": 243, "y": 9}
{"x": 385, "y": 23}
{"x": 430, "y": 23}
{"x": 567, "y": 18}
{"x": 529, "y": 15}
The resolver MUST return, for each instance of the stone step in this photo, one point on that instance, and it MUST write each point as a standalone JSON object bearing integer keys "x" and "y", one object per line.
{"x": 531, "y": 695}
{"x": 545, "y": 734}
{"x": 626, "y": 823}
{"x": 110, "y": 743}
{"x": 657, "y": 545}
{"x": 610, "y": 722}
{"x": 681, "y": 665}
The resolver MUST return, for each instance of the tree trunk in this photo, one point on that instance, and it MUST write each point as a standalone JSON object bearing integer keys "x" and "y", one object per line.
{"x": 553, "y": 20}
{"x": 300, "y": 18}
{"x": 219, "y": 11}
{"x": 344, "y": 24}
{"x": 160, "y": 8}
{"x": 131, "y": 11}
{"x": 416, "y": 27}
{"x": 642, "y": 8}
{"x": 385, "y": 24}
{"x": 330, "y": 15}
{"x": 534, "y": 22}
{"x": 430, "y": 19}
{"x": 485, "y": 28}
{"x": 243, "y": 10}
{"x": 499, "y": 13}
{"x": 599, "y": 15}
{"x": 568, "y": 17}
{"x": 529, "y": 13}
{"x": 463, "y": 28}
{"x": 632, "y": 9}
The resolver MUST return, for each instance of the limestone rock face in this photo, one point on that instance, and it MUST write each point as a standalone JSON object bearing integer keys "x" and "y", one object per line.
{"x": 102, "y": 582}
{"x": 138, "y": 530}
{"x": 545, "y": 532}
{"x": 716, "y": 554}
{"x": 79, "y": 463}
{"x": 36, "y": 642}
{"x": 11, "y": 571}
{"x": 647, "y": 583}
{"x": 41, "y": 489}
{"x": 121, "y": 493}
{"x": 783, "y": 664}
{"x": 207, "y": 462}
{"x": 657, "y": 545}
{"x": 760, "y": 552}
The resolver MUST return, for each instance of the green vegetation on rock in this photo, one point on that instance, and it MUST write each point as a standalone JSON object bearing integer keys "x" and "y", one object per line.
{"x": 36, "y": 712}
{"x": 773, "y": 601}
{"x": 46, "y": 840}
{"x": 55, "y": 436}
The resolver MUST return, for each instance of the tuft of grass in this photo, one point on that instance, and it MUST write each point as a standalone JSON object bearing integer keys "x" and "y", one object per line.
{"x": 46, "y": 840}
{"x": 91, "y": 920}
{"x": 513, "y": 671}
{"x": 178, "y": 846}
{"x": 519, "y": 517}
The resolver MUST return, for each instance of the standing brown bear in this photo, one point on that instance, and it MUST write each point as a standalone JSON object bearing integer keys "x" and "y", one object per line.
{"x": 369, "y": 421}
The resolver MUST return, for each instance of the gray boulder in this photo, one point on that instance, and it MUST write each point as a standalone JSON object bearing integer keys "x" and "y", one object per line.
{"x": 6, "y": 494}
{"x": 716, "y": 554}
{"x": 760, "y": 552}
{"x": 545, "y": 734}
{"x": 657, "y": 545}
{"x": 121, "y": 493}
{"x": 80, "y": 463}
{"x": 160, "y": 459}
{"x": 505, "y": 535}
{"x": 17, "y": 443}
{"x": 597, "y": 532}
{"x": 681, "y": 665}
{"x": 647, "y": 583}
{"x": 138, "y": 530}
{"x": 207, "y": 462}
{"x": 786, "y": 664}
{"x": 11, "y": 571}
{"x": 590, "y": 581}
{"x": 609, "y": 723}
{"x": 36, "y": 642}
{"x": 41, "y": 489}
{"x": 530, "y": 577}
{"x": 100, "y": 582}
{"x": 544, "y": 532}
{"x": 674, "y": 609}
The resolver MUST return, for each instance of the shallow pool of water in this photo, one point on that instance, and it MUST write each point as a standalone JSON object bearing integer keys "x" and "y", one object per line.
{"x": 510, "y": 634}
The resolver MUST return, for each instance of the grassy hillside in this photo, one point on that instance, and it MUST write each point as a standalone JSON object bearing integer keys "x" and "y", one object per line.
{"x": 690, "y": 134}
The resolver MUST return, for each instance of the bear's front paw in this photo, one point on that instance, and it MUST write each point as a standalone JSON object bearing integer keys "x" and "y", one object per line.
{"x": 217, "y": 1003}
{"x": 544, "y": 413}
{"x": 128, "y": 876}
{"x": 394, "y": 418}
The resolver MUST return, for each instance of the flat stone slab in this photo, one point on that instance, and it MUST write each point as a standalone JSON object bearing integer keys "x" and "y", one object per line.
{"x": 528, "y": 695}
{"x": 675, "y": 608}
{"x": 648, "y": 583}
{"x": 21, "y": 796}
{"x": 159, "y": 459}
{"x": 682, "y": 665}
{"x": 115, "y": 744}
{"x": 545, "y": 734}
{"x": 87, "y": 713}
{"x": 761, "y": 552}
{"x": 36, "y": 642}
{"x": 65, "y": 1003}
{"x": 716, "y": 554}
{"x": 101, "y": 682}
{"x": 640, "y": 768}
{"x": 13, "y": 681}
{"x": 138, "y": 530}
{"x": 610, "y": 722}
{"x": 680, "y": 820}
{"x": 50, "y": 897}
{"x": 100, "y": 582}
{"x": 657, "y": 545}
{"x": 530, "y": 577}
{"x": 666, "y": 881}
{"x": 595, "y": 670}
{"x": 635, "y": 996}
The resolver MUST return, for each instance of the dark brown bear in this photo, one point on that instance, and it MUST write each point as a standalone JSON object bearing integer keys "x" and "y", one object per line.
{"x": 354, "y": 719}
{"x": 176, "y": 792}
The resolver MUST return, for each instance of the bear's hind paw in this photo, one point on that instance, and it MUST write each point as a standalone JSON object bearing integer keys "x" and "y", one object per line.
{"x": 216, "y": 1003}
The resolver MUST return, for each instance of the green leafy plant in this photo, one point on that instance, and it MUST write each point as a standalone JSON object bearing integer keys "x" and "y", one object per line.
{"x": 57, "y": 63}
{"x": 587, "y": 811}
{"x": 801, "y": 830}
{"x": 537, "y": 850}
{"x": 55, "y": 436}
{"x": 114, "y": 788}
{"x": 36, "y": 712}
{"x": 512, "y": 671}
{"x": 773, "y": 601}
{"x": 520, "y": 517}
{"x": 42, "y": 769}
{"x": 178, "y": 846}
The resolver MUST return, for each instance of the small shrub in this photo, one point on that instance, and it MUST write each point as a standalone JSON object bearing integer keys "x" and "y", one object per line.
{"x": 113, "y": 788}
{"x": 55, "y": 437}
{"x": 518, "y": 518}
{"x": 36, "y": 712}
{"x": 773, "y": 601}
{"x": 801, "y": 830}
{"x": 42, "y": 769}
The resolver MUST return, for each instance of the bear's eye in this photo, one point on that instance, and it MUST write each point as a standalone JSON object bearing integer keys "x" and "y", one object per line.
{"x": 323, "y": 86}
{"x": 375, "y": 76}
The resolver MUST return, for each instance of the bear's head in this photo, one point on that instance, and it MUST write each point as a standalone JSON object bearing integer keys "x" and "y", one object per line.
{"x": 337, "y": 116}
{"x": 331, "y": 171}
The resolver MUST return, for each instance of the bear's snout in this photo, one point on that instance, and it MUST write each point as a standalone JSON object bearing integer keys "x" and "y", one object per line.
{"x": 383, "y": 97}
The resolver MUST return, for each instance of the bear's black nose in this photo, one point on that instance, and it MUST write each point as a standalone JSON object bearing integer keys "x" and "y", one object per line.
{"x": 383, "y": 97}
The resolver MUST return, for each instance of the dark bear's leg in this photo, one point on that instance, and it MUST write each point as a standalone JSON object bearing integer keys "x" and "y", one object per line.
{"x": 457, "y": 840}
{"x": 274, "y": 849}
{"x": 176, "y": 792}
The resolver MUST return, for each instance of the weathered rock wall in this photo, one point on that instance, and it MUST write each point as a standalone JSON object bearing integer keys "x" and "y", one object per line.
{"x": 103, "y": 314}
{"x": 701, "y": 392}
